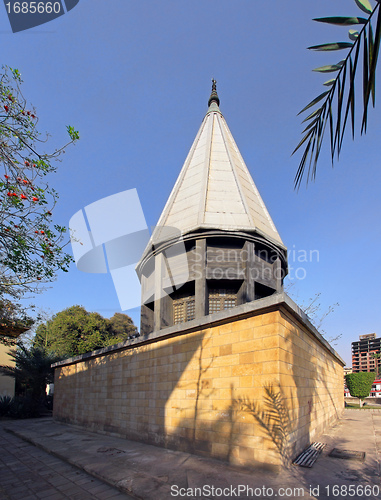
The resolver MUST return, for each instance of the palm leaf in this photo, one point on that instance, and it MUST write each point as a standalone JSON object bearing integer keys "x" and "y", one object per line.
{"x": 342, "y": 21}
{"x": 313, "y": 102}
{"x": 328, "y": 83}
{"x": 372, "y": 69}
{"x": 328, "y": 69}
{"x": 331, "y": 46}
{"x": 364, "y": 5}
{"x": 353, "y": 34}
{"x": 336, "y": 103}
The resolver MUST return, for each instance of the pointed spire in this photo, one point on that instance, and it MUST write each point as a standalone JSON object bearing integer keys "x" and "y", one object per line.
{"x": 214, "y": 96}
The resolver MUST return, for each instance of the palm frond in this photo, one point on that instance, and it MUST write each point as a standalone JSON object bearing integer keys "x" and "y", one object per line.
{"x": 338, "y": 102}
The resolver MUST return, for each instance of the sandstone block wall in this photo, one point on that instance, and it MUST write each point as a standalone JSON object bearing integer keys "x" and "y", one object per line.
{"x": 252, "y": 389}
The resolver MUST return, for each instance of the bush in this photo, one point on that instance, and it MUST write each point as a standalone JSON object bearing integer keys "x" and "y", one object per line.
{"x": 5, "y": 403}
{"x": 360, "y": 384}
{"x": 25, "y": 406}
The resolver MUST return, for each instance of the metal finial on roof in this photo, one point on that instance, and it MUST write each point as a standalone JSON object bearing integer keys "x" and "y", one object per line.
{"x": 214, "y": 96}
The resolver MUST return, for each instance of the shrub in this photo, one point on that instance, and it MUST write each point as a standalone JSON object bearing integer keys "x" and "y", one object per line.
{"x": 5, "y": 403}
{"x": 360, "y": 384}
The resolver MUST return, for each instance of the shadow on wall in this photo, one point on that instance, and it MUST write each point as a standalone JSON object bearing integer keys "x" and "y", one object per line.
{"x": 273, "y": 417}
{"x": 126, "y": 391}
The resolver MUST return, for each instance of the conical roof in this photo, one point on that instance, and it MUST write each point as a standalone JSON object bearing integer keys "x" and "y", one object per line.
{"x": 215, "y": 189}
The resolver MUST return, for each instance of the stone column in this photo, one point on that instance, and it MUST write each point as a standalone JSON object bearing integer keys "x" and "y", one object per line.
{"x": 200, "y": 278}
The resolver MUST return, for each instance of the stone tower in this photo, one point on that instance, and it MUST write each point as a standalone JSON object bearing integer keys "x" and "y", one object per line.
{"x": 215, "y": 245}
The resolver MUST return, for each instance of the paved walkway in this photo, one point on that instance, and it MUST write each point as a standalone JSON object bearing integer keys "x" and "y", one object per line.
{"x": 151, "y": 473}
{"x": 29, "y": 473}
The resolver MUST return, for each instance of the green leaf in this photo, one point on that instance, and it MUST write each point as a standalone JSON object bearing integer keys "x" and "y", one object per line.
{"x": 328, "y": 69}
{"x": 328, "y": 83}
{"x": 364, "y": 5}
{"x": 315, "y": 101}
{"x": 332, "y": 46}
{"x": 302, "y": 164}
{"x": 365, "y": 74}
{"x": 303, "y": 141}
{"x": 372, "y": 76}
{"x": 312, "y": 115}
{"x": 312, "y": 124}
{"x": 353, "y": 35}
{"x": 372, "y": 69}
{"x": 341, "y": 20}
{"x": 331, "y": 129}
{"x": 350, "y": 103}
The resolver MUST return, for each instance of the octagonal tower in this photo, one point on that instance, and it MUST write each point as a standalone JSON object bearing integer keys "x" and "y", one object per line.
{"x": 215, "y": 245}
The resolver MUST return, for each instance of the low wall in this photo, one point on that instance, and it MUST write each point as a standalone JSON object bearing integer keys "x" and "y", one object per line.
{"x": 7, "y": 384}
{"x": 253, "y": 385}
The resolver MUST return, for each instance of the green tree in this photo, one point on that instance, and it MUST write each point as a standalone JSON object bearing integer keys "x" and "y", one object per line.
{"x": 335, "y": 104}
{"x": 75, "y": 331}
{"x": 121, "y": 327}
{"x": 31, "y": 245}
{"x": 360, "y": 384}
{"x": 33, "y": 369}
{"x": 14, "y": 320}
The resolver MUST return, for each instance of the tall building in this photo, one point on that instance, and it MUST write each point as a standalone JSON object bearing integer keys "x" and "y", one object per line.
{"x": 363, "y": 352}
{"x": 232, "y": 252}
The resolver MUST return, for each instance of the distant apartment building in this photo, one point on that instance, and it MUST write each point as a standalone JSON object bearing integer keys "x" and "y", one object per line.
{"x": 363, "y": 352}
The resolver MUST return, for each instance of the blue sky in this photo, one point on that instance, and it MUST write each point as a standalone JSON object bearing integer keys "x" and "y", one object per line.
{"x": 134, "y": 78}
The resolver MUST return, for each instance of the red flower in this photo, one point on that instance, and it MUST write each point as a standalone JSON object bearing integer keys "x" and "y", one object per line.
{"x": 10, "y": 98}
{"x": 6, "y": 176}
{"x": 38, "y": 278}
{"x": 36, "y": 232}
{"x": 28, "y": 113}
{"x": 33, "y": 116}
{"x": 16, "y": 226}
{"x": 48, "y": 213}
{"x": 34, "y": 165}
{"x": 6, "y": 108}
{"x": 27, "y": 163}
{"x": 25, "y": 181}
{"x": 35, "y": 198}
{"x": 6, "y": 229}
{"x": 42, "y": 232}
{"x": 9, "y": 194}
{"x": 14, "y": 194}
{"x": 23, "y": 197}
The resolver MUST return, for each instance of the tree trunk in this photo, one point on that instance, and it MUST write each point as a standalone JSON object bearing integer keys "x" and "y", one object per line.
{"x": 361, "y": 401}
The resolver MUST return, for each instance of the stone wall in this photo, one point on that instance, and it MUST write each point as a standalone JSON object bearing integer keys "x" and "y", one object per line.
{"x": 252, "y": 386}
{"x": 7, "y": 384}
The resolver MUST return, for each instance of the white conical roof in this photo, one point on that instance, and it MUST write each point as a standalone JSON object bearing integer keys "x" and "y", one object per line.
{"x": 215, "y": 189}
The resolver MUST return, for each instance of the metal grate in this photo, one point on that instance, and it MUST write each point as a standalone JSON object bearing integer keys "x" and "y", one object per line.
{"x": 184, "y": 309}
{"x": 309, "y": 456}
{"x": 348, "y": 454}
{"x": 221, "y": 299}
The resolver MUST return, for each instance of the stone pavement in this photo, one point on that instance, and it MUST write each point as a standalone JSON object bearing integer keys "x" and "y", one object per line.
{"x": 151, "y": 473}
{"x": 29, "y": 473}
